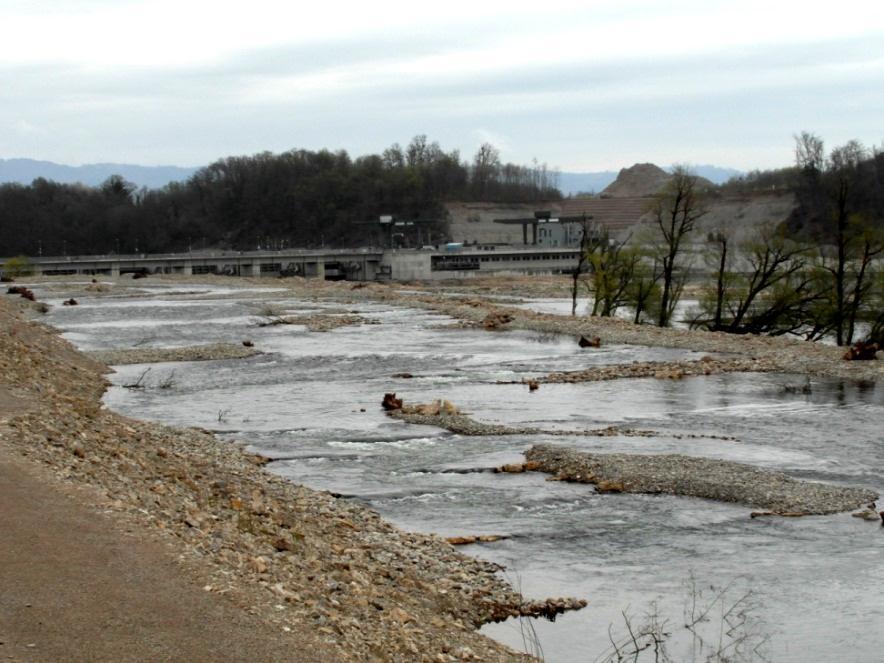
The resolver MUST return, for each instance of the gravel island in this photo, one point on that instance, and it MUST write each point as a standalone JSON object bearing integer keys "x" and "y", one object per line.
{"x": 675, "y": 474}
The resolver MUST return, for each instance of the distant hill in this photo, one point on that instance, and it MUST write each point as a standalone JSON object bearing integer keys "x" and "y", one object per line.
{"x": 25, "y": 171}
{"x": 715, "y": 174}
{"x": 570, "y": 183}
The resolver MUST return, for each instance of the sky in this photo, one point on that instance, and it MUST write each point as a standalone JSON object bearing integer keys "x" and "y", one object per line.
{"x": 581, "y": 86}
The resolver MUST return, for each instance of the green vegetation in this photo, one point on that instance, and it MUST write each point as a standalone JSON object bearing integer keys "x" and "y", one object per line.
{"x": 17, "y": 266}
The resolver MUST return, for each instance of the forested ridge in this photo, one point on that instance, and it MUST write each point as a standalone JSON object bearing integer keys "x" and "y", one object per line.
{"x": 299, "y": 198}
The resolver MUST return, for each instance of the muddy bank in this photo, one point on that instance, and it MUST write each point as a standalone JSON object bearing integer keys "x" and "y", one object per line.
{"x": 286, "y": 554}
{"x": 675, "y": 474}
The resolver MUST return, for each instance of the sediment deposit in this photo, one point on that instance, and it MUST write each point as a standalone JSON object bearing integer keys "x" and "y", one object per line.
{"x": 709, "y": 478}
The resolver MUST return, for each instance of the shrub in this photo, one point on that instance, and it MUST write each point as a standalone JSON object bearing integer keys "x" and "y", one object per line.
{"x": 17, "y": 266}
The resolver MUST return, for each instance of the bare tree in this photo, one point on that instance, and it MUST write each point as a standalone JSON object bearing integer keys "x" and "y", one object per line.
{"x": 721, "y": 240}
{"x": 612, "y": 267}
{"x": 770, "y": 291}
{"x": 842, "y": 169}
{"x": 582, "y": 260}
{"x": 676, "y": 210}
{"x": 809, "y": 152}
{"x": 841, "y": 199}
{"x": 871, "y": 245}
{"x": 486, "y": 167}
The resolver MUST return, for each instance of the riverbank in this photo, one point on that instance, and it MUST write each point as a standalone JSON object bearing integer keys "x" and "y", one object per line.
{"x": 290, "y": 557}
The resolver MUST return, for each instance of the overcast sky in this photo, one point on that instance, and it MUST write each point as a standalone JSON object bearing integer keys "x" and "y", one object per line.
{"x": 580, "y": 85}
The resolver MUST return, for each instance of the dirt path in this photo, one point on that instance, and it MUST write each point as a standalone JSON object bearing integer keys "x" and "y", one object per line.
{"x": 74, "y": 586}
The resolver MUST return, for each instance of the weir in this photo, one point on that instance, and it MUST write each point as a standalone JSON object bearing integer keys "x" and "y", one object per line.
{"x": 351, "y": 264}
{"x": 362, "y": 264}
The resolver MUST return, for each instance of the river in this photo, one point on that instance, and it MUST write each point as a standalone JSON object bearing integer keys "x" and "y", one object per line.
{"x": 312, "y": 400}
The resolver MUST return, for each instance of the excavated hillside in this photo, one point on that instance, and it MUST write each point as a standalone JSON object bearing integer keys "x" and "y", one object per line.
{"x": 620, "y": 206}
{"x": 641, "y": 179}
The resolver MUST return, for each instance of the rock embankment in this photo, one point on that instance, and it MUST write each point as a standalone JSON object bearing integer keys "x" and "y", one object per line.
{"x": 147, "y": 355}
{"x": 291, "y": 556}
{"x": 721, "y": 480}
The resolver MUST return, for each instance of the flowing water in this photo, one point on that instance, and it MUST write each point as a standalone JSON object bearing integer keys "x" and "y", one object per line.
{"x": 312, "y": 401}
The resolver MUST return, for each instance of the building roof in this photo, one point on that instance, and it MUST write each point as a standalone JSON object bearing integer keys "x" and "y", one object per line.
{"x": 615, "y": 214}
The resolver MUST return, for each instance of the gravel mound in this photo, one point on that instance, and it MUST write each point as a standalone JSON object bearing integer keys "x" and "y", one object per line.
{"x": 721, "y": 480}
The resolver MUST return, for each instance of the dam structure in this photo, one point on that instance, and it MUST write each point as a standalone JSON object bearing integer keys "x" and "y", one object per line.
{"x": 360, "y": 264}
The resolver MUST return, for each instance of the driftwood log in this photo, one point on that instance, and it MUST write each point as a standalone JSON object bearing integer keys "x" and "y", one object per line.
{"x": 861, "y": 351}
{"x": 594, "y": 342}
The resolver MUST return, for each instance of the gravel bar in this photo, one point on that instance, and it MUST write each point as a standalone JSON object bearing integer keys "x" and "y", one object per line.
{"x": 206, "y": 352}
{"x": 461, "y": 424}
{"x": 675, "y": 474}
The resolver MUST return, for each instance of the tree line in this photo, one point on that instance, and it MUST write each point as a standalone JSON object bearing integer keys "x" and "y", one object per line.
{"x": 818, "y": 274}
{"x": 299, "y": 198}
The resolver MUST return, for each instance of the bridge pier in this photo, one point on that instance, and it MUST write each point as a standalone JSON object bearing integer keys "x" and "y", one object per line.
{"x": 115, "y": 269}
{"x": 187, "y": 268}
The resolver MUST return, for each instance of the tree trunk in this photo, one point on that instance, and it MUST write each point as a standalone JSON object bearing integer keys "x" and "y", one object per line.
{"x": 719, "y": 286}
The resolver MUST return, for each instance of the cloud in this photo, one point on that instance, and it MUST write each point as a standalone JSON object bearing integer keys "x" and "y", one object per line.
{"x": 25, "y": 128}
{"x": 581, "y": 85}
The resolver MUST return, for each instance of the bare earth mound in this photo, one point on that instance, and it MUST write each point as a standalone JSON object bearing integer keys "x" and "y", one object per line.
{"x": 641, "y": 179}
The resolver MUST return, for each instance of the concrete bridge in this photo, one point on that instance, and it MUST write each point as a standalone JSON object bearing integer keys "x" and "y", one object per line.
{"x": 365, "y": 264}
{"x": 352, "y": 264}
